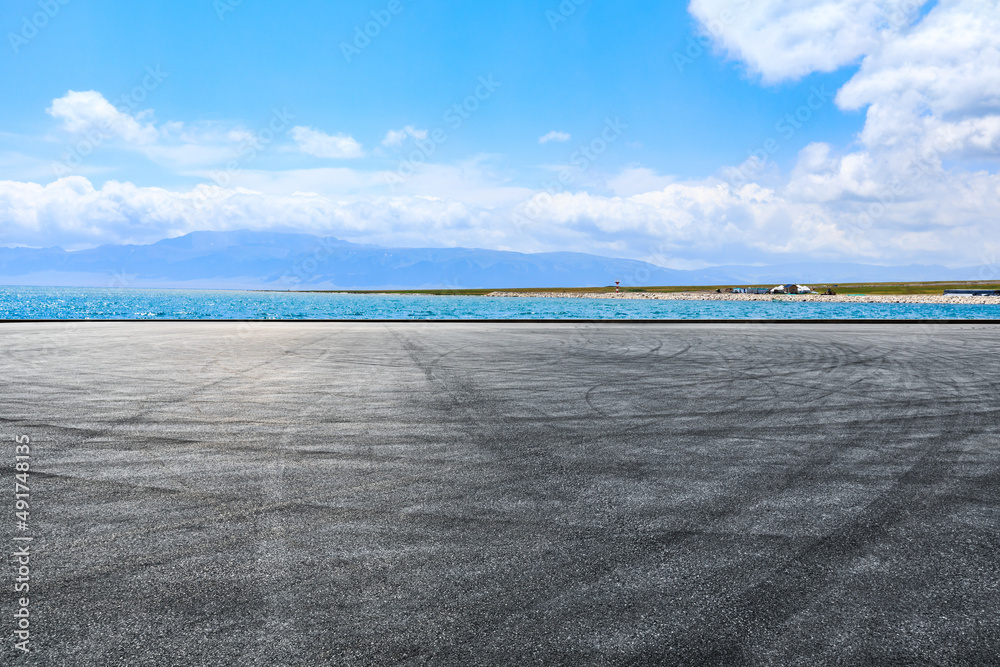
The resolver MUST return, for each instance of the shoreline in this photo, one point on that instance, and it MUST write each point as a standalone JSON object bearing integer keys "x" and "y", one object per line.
{"x": 714, "y": 296}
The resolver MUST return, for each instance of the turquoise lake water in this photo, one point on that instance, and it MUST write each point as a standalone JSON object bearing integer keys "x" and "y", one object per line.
{"x": 61, "y": 303}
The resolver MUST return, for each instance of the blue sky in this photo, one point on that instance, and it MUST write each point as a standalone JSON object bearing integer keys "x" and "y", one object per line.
{"x": 602, "y": 61}
{"x": 695, "y": 90}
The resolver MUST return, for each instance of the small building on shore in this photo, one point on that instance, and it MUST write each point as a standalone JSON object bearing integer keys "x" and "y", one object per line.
{"x": 791, "y": 289}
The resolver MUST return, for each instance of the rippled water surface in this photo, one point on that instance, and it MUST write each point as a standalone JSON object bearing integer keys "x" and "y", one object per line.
{"x": 63, "y": 303}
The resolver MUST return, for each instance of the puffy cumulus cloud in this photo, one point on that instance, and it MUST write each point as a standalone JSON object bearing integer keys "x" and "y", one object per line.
{"x": 394, "y": 138}
{"x": 319, "y": 144}
{"x": 635, "y": 180}
{"x": 914, "y": 186}
{"x": 554, "y": 135}
{"x": 931, "y": 86}
{"x": 787, "y": 39}
{"x": 397, "y": 137}
{"x": 685, "y": 221}
{"x": 933, "y": 98}
{"x": 89, "y": 113}
{"x": 667, "y": 226}
{"x": 95, "y": 123}
{"x": 821, "y": 175}
{"x": 72, "y": 213}
{"x": 908, "y": 191}
{"x": 949, "y": 62}
{"x": 935, "y": 89}
{"x": 901, "y": 212}
{"x": 834, "y": 206}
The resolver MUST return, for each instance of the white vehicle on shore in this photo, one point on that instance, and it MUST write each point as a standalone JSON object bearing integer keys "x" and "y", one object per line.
{"x": 791, "y": 289}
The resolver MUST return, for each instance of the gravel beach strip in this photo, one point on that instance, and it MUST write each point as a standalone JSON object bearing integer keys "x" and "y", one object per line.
{"x": 714, "y": 296}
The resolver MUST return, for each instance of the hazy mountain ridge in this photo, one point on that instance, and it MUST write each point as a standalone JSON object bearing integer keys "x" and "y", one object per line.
{"x": 267, "y": 260}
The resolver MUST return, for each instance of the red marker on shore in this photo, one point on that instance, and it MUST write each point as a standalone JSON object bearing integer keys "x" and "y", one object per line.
{"x": 617, "y": 283}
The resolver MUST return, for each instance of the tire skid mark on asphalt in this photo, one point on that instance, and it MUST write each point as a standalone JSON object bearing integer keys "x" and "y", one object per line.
{"x": 512, "y": 609}
{"x": 767, "y": 378}
{"x": 241, "y": 511}
{"x": 791, "y": 373}
{"x": 148, "y": 406}
{"x": 427, "y": 367}
{"x": 765, "y": 487}
{"x": 628, "y": 363}
{"x": 774, "y": 601}
{"x": 861, "y": 397}
{"x": 276, "y": 603}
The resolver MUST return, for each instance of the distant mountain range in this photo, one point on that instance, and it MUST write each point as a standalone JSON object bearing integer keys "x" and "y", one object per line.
{"x": 266, "y": 260}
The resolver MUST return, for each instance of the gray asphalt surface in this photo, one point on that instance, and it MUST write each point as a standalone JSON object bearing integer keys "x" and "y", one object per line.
{"x": 485, "y": 494}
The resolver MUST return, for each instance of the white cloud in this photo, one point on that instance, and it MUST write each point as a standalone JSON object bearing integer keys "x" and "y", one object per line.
{"x": 397, "y": 137}
{"x": 415, "y": 133}
{"x": 95, "y": 123}
{"x": 906, "y": 191}
{"x": 554, "y": 135}
{"x": 88, "y": 113}
{"x": 931, "y": 85}
{"x": 933, "y": 98}
{"x": 680, "y": 222}
{"x": 935, "y": 90}
{"x": 635, "y": 180}
{"x": 471, "y": 182}
{"x": 394, "y": 138}
{"x": 949, "y": 62}
{"x": 319, "y": 144}
{"x": 787, "y": 39}
{"x": 73, "y": 213}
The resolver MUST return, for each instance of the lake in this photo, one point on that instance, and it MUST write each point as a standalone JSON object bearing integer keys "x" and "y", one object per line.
{"x": 66, "y": 303}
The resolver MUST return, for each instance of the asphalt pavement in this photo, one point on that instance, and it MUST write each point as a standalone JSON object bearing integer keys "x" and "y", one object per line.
{"x": 504, "y": 494}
